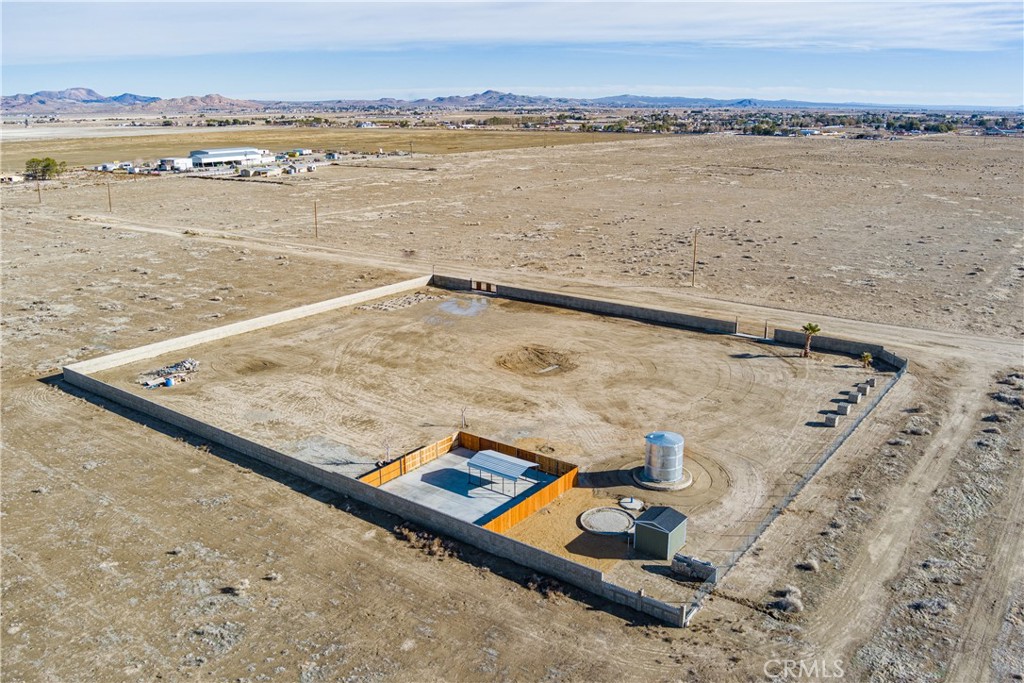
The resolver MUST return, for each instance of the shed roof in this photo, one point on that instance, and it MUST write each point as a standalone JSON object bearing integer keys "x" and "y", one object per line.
{"x": 662, "y": 518}
{"x": 499, "y": 464}
{"x": 224, "y": 151}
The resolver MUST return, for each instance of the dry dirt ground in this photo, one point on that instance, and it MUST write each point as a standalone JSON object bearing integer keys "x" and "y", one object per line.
{"x": 132, "y": 552}
{"x": 347, "y": 389}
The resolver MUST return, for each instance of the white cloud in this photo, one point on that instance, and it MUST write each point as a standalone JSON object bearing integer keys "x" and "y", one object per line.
{"x": 87, "y": 31}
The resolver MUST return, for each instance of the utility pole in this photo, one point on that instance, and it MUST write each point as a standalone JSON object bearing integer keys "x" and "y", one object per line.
{"x": 110, "y": 205}
{"x": 39, "y": 192}
{"x": 316, "y": 226}
{"x": 693, "y": 273}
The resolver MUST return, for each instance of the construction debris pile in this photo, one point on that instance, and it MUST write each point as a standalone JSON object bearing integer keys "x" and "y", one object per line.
{"x": 169, "y": 375}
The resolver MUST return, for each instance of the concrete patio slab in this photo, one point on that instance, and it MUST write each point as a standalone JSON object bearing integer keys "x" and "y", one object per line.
{"x": 445, "y": 485}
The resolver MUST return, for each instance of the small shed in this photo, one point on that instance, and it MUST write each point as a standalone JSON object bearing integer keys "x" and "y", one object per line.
{"x": 659, "y": 532}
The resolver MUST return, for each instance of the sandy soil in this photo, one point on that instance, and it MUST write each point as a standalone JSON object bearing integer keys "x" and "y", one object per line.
{"x": 131, "y": 552}
{"x": 393, "y": 374}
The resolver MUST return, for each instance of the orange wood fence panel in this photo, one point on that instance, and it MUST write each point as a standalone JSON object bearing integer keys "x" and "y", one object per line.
{"x": 513, "y": 516}
{"x": 422, "y": 456}
{"x": 409, "y": 462}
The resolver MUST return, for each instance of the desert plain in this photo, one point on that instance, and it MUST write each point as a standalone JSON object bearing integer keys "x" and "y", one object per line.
{"x": 131, "y": 551}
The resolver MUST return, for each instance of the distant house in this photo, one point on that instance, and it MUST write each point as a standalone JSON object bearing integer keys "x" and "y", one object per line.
{"x": 260, "y": 171}
{"x": 366, "y": 124}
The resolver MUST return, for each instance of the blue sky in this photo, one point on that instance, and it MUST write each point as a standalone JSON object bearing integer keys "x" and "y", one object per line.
{"x": 938, "y": 53}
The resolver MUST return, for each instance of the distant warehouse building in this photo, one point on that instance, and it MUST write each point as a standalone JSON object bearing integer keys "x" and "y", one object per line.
{"x": 176, "y": 164}
{"x": 239, "y": 156}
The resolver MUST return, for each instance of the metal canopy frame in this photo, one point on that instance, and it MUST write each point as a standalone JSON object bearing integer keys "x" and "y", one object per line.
{"x": 505, "y": 467}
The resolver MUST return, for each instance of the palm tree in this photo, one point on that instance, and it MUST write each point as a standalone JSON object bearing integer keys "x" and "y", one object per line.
{"x": 809, "y": 330}
{"x": 866, "y": 359}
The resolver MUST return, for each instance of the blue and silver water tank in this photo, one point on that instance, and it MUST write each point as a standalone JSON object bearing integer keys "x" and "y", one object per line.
{"x": 663, "y": 461}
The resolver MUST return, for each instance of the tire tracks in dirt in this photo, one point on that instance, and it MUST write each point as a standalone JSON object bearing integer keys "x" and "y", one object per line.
{"x": 972, "y": 656}
{"x": 862, "y": 599}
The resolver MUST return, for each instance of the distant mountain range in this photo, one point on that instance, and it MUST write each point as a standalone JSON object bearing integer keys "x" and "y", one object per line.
{"x": 87, "y": 101}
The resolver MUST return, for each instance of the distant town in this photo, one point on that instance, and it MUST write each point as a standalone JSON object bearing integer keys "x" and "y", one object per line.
{"x": 871, "y": 124}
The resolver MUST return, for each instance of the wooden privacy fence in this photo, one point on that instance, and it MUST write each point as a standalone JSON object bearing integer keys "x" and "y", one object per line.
{"x": 548, "y": 465}
{"x": 410, "y": 461}
{"x": 513, "y": 516}
{"x": 421, "y": 456}
{"x": 564, "y": 471}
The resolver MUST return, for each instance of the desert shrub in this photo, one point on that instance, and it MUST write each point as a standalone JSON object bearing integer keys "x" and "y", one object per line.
{"x": 808, "y": 565}
{"x": 430, "y": 544}
{"x": 789, "y": 605}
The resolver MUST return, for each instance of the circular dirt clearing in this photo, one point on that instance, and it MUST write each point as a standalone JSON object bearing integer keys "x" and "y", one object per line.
{"x": 606, "y": 521}
{"x": 536, "y": 360}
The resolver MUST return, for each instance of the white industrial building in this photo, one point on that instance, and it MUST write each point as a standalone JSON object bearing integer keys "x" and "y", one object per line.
{"x": 239, "y": 156}
{"x": 176, "y": 164}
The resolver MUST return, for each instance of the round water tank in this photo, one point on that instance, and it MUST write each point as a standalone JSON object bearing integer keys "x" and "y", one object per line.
{"x": 664, "y": 457}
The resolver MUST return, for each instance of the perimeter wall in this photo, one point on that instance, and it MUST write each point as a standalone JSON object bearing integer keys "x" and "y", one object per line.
{"x": 565, "y": 570}
{"x": 588, "y": 305}
{"x": 837, "y": 345}
{"x": 486, "y": 539}
{"x": 178, "y": 343}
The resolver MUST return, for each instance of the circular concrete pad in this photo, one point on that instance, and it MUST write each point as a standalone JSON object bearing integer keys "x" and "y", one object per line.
{"x": 606, "y": 520}
{"x": 638, "y": 477}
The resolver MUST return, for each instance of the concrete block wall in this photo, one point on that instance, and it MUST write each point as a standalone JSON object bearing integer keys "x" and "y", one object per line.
{"x": 660, "y": 610}
{"x": 159, "y": 348}
{"x": 451, "y": 282}
{"x": 821, "y": 343}
{"x": 566, "y": 570}
{"x": 642, "y": 603}
{"x": 648, "y": 315}
{"x": 692, "y": 567}
{"x": 837, "y": 345}
{"x": 561, "y": 568}
{"x": 894, "y": 360}
{"x": 588, "y": 305}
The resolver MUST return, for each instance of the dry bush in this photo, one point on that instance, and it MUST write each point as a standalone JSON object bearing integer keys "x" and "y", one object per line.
{"x": 1015, "y": 400}
{"x": 932, "y": 606}
{"x": 430, "y": 544}
{"x": 788, "y": 591}
{"x": 808, "y": 565}
{"x": 789, "y": 605}
{"x": 546, "y": 586}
